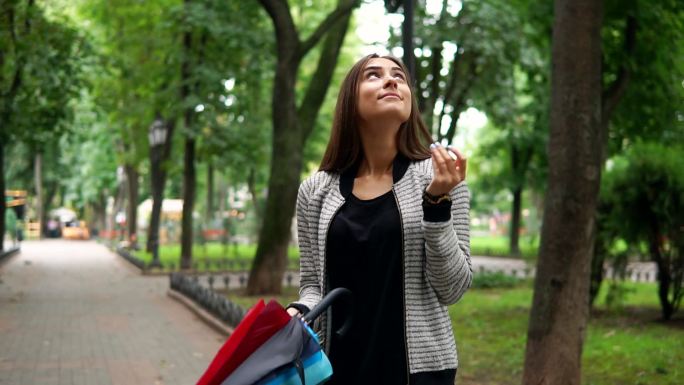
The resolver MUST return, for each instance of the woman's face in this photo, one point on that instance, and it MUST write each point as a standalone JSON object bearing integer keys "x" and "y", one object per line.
{"x": 384, "y": 92}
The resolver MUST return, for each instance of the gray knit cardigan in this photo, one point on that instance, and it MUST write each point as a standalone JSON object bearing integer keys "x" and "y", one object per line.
{"x": 437, "y": 267}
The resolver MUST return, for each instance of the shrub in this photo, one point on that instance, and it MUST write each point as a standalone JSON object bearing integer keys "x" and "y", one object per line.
{"x": 491, "y": 280}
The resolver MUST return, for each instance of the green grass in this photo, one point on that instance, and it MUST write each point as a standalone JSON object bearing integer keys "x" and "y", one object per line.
{"x": 498, "y": 247}
{"x": 624, "y": 345}
{"x": 170, "y": 254}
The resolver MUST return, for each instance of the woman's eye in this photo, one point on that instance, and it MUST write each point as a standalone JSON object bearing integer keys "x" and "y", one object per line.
{"x": 373, "y": 74}
{"x": 399, "y": 76}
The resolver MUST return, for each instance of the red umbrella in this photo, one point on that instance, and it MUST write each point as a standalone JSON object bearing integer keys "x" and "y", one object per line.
{"x": 258, "y": 325}
{"x": 270, "y": 345}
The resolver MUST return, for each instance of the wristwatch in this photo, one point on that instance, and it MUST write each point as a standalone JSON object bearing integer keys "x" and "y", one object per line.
{"x": 435, "y": 199}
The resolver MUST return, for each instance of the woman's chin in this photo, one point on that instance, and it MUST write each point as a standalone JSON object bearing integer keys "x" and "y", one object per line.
{"x": 387, "y": 115}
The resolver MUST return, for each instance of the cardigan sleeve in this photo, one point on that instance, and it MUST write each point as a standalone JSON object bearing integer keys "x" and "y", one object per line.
{"x": 447, "y": 247}
{"x": 309, "y": 288}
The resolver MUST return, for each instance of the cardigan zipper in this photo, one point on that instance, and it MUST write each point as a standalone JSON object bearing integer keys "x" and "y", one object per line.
{"x": 403, "y": 286}
{"x": 328, "y": 321}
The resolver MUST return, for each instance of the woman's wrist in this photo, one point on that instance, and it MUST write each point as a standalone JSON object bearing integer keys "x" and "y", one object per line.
{"x": 435, "y": 199}
{"x": 297, "y": 309}
{"x": 293, "y": 312}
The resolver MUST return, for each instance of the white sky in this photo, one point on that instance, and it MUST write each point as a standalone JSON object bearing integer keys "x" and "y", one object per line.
{"x": 373, "y": 29}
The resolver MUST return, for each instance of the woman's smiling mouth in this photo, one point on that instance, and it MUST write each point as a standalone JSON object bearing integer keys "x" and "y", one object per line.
{"x": 390, "y": 95}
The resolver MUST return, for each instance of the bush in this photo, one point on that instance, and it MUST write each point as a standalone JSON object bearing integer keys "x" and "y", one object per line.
{"x": 491, "y": 280}
{"x": 642, "y": 201}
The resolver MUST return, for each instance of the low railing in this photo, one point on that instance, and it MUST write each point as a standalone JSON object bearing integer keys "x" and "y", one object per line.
{"x": 8, "y": 252}
{"x": 211, "y": 301}
{"x": 635, "y": 271}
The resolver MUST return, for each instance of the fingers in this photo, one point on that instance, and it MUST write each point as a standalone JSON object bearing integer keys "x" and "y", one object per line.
{"x": 448, "y": 169}
{"x": 462, "y": 162}
{"x": 439, "y": 160}
{"x": 444, "y": 159}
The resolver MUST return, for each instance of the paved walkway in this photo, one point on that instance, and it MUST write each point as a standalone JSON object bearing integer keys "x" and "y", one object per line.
{"x": 74, "y": 313}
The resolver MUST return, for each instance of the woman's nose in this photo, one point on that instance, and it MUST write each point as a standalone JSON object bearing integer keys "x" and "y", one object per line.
{"x": 390, "y": 82}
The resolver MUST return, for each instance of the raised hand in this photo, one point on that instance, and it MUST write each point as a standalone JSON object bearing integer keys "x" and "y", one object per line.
{"x": 449, "y": 169}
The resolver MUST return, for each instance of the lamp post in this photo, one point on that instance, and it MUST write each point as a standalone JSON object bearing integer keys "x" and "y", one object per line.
{"x": 157, "y": 137}
{"x": 120, "y": 217}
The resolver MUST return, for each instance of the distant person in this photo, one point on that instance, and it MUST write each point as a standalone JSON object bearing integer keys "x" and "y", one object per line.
{"x": 386, "y": 216}
{"x": 53, "y": 228}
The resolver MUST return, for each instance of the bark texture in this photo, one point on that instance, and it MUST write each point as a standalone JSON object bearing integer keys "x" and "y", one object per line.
{"x": 38, "y": 181}
{"x": 132, "y": 215}
{"x": 158, "y": 159}
{"x": 559, "y": 311}
{"x": 2, "y": 190}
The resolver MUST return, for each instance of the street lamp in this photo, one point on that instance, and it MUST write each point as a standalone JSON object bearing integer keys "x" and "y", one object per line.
{"x": 157, "y": 134}
{"x": 157, "y": 137}
{"x": 120, "y": 217}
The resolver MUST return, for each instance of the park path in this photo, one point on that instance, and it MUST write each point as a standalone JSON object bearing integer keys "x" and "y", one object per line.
{"x": 72, "y": 312}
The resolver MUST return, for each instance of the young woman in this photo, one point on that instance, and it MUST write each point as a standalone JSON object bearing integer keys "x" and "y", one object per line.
{"x": 386, "y": 217}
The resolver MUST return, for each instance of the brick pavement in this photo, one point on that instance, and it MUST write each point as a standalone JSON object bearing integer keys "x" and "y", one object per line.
{"x": 73, "y": 313}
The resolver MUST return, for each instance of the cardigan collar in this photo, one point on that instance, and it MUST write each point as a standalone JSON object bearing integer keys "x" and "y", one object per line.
{"x": 399, "y": 167}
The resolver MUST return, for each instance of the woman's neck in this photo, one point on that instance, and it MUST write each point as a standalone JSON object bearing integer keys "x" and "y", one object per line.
{"x": 379, "y": 149}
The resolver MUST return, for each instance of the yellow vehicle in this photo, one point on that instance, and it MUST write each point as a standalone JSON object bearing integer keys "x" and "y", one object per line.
{"x": 76, "y": 230}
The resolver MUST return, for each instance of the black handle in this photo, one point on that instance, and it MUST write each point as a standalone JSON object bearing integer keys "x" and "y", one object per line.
{"x": 335, "y": 295}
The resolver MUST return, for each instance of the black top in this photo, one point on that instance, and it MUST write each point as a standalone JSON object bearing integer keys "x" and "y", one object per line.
{"x": 364, "y": 254}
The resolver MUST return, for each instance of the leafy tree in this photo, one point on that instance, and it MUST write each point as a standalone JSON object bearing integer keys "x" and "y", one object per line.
{"x": 89, "y": 162}
{"x": 40, "y": 64}
{"x": 465, "y": 57}
{"x": 642, "y": 98}
{"x": 292, "y": 125}
{"x": 644, "y": 196}
{"x": 485, "y": 54}
{"x": 209, "y": 30}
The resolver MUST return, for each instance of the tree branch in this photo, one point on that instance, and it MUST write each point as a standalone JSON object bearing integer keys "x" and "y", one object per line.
{"x": 319, "y": 84}
{"x": 459, "y": 103}
{"x": 343, "y": 7}
{"x": 426, "y": 105}
{"x": 285, "y": 30}
{"x": 615, "y": 91}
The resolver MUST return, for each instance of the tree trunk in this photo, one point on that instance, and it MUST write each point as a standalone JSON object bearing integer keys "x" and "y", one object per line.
{"x": 210, "y": 192}
{"x": 655, "y": 239}
{"x": 520, "y": 161}
{"x": 597, "y": 261}
{"x": 274, "y": 235}
{"x": 514, "y": 239}
{"x": 100, "y": 208}
{"x": 291, "y": 128}
{"x": 189, "y": 156}
{"x": 49, "y": 193}
{"x": 37, "y": 174}
{"x": 118, "y": 205}
{"x": 158, "y": 157}
{"x": 222, "y": 214}
{"x": 251, "y": 186}
{"x": 664, "y": 282}
{"x": 156, "y": 189}
{"x": 132, "y": 214}
{"x": 2, "y": 190}
{"x": 611, "y": 97}
{"x": 111, "y": 221}
{"x": 188, "y": 200}
{"x": 560, "y": 308}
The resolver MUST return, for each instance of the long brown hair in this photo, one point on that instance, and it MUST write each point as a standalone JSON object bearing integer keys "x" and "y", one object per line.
{"x": 344, "y": 148}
